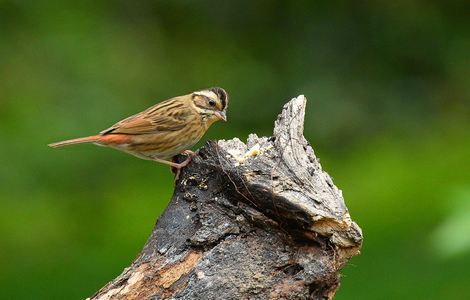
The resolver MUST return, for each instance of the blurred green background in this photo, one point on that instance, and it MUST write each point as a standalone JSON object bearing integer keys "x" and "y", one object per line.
{"x": 388, "y": 113}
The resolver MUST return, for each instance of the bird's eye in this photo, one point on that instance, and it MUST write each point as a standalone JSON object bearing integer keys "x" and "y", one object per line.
{"x": 211, "y": 102}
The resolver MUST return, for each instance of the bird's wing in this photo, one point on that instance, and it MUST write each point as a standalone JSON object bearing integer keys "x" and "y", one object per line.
{"x": 170, "y": 115}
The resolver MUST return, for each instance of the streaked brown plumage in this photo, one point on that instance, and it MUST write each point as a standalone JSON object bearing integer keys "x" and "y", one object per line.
{"x": 164, "y": 130}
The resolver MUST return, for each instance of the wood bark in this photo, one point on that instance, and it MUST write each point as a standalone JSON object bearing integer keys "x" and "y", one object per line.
{"x": 255, "y": 220}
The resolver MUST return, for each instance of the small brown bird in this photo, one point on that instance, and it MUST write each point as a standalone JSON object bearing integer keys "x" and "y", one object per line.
{"x": 164, "y": 130}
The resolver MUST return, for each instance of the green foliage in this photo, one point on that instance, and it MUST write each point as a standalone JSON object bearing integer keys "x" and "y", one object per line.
{"x": 388, "y": 111}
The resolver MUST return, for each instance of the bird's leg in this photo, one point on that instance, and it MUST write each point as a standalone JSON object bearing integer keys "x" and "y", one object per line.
{"x": 178, "y": 166}
{"x": 189, "y": 156}
{"x": 173, "y": 164}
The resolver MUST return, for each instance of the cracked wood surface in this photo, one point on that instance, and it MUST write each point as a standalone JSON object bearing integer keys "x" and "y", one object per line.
{"x": 259, "y": 220}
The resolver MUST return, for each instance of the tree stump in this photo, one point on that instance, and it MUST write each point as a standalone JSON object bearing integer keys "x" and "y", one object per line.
{"x": 259, "y": 220}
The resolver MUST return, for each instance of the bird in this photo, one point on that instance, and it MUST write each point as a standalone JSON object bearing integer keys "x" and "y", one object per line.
{"x": 165, "y": 129}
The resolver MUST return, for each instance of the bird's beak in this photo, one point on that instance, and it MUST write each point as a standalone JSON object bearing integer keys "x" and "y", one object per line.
{"x": 221, "y": 115}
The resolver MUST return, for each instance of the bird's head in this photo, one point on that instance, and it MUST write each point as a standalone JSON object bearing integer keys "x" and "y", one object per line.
{"x": 211, "y": 103}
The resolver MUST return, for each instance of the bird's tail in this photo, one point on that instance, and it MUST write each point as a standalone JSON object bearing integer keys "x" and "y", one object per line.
{"x": 83, "y": 140}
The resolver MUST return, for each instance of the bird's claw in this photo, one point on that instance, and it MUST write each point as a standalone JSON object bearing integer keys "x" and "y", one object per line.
{"x": 189, "y": 153}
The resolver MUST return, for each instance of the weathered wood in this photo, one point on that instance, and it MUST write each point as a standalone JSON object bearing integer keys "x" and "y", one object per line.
{"x": 259, "y": 220}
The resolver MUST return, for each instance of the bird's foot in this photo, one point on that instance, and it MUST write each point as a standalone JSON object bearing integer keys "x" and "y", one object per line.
{"x": 189, "y": 153}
